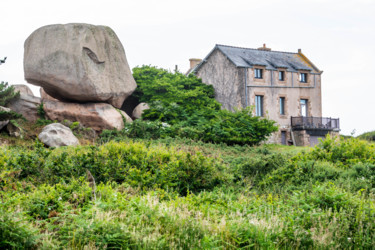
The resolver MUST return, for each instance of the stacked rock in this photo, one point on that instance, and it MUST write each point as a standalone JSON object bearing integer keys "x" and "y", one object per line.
{"x": 83, "y": 72}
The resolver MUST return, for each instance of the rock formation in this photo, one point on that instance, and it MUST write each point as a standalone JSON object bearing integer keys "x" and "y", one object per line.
{"x": 78, "y": 62}
{"x": 98, "y": 116}
{"x": 57, "y": 135}
{"x": 23, "y": 89}
{"x": 44, "y": 96}
{"x": 27, "y": 104}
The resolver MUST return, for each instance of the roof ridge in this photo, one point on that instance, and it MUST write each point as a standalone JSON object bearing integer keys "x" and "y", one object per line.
{"x": 236, "y": 47}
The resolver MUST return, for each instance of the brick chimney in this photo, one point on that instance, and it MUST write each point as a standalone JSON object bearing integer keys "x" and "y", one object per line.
{"x": 194, "y": 62}
{"x": 264, "y": 48}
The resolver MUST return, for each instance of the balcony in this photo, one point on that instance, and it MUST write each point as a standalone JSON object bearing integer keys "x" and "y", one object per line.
{"x": 315, "y": 123}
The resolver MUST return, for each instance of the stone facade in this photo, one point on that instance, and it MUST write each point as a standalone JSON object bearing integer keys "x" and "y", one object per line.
{"x": 231, "y": 71}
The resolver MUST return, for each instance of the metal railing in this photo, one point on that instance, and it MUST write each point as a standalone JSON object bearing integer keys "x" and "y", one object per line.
{"x": 320, "y": 123}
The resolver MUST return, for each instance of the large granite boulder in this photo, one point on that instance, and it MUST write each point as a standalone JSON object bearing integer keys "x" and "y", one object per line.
{"x": 57, "y": 135}
{"x": 138, "y": 111}
{"x": 44, "y": 96}
{"x": 78, "y": 62}
{"x": 97, "y": 116}
{"x": 27, "y": 104}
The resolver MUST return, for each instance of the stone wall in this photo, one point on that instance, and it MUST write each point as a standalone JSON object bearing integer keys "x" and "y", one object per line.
{"x": 225, "y": 77}
{"x": 301, "y": 138}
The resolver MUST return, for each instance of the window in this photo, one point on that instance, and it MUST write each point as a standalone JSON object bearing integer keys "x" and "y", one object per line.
{"x": 258, "y": 73}
{"x": 303, "y": 103}
{"x": 282, "y": 105}
{"x": 259, "y": 105}
{"x": 281, "y": 75}
{"x": 303, "y": 77}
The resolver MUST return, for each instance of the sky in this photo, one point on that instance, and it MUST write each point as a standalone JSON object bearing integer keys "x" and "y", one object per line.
{"x": 337, "y": 36}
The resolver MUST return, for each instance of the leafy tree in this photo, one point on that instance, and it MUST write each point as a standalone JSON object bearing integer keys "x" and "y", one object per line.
{"x": 7, "y": 94}
{"x": 189, "y": 106}
{"x": 173, "y": 96}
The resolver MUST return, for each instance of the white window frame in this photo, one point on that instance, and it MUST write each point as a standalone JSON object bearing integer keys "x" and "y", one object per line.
{"x": 258, "y": 73}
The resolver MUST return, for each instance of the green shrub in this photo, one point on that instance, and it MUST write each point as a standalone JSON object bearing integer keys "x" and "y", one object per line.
{"x": 15, "y": 234}
{"x": 369, "y": 136}
{"x": 135, "y": 163}
{"x": 343, "y": 152}
{"x": 188, "y": 109}
{"x": 257, "y": 167}
{"x": 7, "y": 94}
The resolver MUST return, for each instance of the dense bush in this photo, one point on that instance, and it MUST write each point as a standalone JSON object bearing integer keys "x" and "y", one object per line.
{"x": 349, "y": 162}
{"x": 276, "y": 202}
{"x": 342, "y": 152}
{"x": 14, "y": 234}
{"x": 369, "y": 136}
{"x": 137, "y": 164}
{"x": 186, "y": 107}
{"x": 7, "y": 94}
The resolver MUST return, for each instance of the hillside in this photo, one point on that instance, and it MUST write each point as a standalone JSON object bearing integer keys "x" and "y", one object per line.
{"x": 180, "y": 193}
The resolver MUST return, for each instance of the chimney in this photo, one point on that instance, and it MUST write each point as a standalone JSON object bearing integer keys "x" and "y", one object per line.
{"x": 299, "y": 51}
{"x": 264, "y": 48}
{"x": 194, "y": 62}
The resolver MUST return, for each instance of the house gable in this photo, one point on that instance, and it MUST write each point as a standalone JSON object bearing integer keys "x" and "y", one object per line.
{"x": 217, "y": 70}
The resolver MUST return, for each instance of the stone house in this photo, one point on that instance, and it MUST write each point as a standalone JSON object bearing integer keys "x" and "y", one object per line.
{"x": 282, "y": 86}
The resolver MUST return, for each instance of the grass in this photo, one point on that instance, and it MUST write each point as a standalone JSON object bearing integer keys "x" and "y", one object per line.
{"x": 265, "y": 197}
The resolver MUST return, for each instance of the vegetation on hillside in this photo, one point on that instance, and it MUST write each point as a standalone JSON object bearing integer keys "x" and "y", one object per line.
{"x": 369, "y": 136}
{"x": 7, "y": 94}
{"x": 188, "y": 177}
{"x": 182, "y": 106}
{"x": 180, "y": 193}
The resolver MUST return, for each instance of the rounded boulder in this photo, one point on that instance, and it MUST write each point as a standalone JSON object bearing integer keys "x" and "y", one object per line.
{"x": 78, "y": 62}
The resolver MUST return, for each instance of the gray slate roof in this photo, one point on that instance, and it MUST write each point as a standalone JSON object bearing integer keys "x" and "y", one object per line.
{"x": 245, "y": 57}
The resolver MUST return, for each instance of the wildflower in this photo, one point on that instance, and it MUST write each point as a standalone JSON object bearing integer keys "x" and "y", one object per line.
{"x": 165, "y": 125}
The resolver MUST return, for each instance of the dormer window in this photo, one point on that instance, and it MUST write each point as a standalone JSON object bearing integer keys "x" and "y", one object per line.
{"x": 303, "y": 77}
{"x": 258, "y": 73}
{"x": 281, "y": 75}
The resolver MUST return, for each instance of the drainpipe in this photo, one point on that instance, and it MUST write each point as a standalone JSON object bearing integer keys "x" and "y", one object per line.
{"x": 245, "y": 87}
{"x": 271, "y": 77}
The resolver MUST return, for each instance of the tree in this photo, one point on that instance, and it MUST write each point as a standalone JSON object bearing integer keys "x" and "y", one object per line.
{"x": 189, "y": 106}
{"x": 7, "y": 94}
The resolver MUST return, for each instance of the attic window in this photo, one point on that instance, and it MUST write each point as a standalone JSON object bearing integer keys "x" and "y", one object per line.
{"x": 258, "y": 73}
{"x": 303, "y": 77}
{"x": 281, "y": 75}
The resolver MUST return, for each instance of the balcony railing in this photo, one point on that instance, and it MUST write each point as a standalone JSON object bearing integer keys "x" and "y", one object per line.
{"x": 318, "y": 123}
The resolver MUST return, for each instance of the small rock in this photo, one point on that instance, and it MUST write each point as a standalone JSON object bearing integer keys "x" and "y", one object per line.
{"x": 138, "y": 111}
{"x": 14, "y": 130}
{"x": 127, "y": 118}
{"x": 57, "y": 135}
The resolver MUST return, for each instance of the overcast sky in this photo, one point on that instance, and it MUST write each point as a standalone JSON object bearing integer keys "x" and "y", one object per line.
{"x": 337, "y": 36}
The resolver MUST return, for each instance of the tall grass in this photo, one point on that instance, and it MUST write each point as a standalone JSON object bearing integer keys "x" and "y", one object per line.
{"x": 265, "y": 198}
